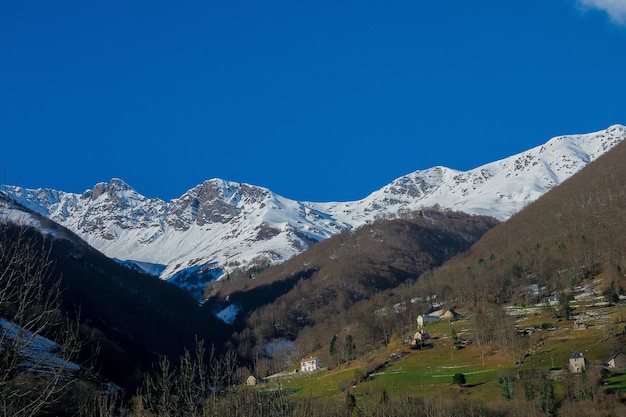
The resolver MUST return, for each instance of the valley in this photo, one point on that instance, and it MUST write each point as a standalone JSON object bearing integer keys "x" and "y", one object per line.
{"x": 534, "y": 289}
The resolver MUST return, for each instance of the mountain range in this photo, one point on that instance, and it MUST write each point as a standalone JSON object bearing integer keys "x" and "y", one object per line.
{"x": 219, "y": 226}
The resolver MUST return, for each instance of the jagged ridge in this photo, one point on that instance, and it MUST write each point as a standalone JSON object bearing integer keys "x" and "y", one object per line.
{"x": 233, "y": 225}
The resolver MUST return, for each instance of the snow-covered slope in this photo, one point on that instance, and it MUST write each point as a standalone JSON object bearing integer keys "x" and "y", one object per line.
{"x": 220, "y": 225}
{"x": 217, "y": 221}
{"x": 499, "y": 189}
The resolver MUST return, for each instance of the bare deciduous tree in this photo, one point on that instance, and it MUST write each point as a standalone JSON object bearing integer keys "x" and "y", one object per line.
{"x": 30, "y": 379}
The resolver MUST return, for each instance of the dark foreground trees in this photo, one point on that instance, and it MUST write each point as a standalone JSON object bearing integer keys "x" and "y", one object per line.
{"x": 34, "y": 371}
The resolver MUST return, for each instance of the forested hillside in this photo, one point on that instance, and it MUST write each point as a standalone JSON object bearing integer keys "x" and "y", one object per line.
{"x": 573, "y": 232}
{"x": 311, "y": 297}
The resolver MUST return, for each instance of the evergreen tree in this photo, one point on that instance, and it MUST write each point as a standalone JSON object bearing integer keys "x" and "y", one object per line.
{"x": 459, "y": 378}
{"x": 331, "y": 347}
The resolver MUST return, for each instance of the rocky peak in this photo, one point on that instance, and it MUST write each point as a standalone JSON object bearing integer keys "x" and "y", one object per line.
{"x": 229, "y": 223}
{"x": 116, "y": 189}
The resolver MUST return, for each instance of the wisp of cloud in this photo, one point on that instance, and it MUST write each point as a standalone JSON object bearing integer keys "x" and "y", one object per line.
{"x": 616, "y": 9}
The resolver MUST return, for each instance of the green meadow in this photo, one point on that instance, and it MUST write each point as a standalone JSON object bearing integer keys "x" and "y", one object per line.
{"x": 399, "y": 370}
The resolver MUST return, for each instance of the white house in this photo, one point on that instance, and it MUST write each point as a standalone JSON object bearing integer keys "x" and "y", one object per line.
{"x": 552, "y": 300}
{"x": 310, "y": 365}
{"x": 252, "y": 380}
{"x": 617, "y": 361}
{"x": 419, "y": 338}
{"x": 451, "y": 315}
{"x": 578, "y": 363}
{"x": 422, "y": 319}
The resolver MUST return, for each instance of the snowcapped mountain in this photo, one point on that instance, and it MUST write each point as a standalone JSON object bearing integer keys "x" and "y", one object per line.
{"x": 219, "y": 226}
{"x": 499, "y": 189}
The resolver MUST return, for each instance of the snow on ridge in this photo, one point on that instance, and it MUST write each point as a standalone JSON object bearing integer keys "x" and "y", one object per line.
{"x": 10, "y": 213}
{"x": 500, "y": 188}
{"x": 234, "y": 224}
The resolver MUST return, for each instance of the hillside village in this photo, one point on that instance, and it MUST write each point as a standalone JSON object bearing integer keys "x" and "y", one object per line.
{"x": 587, "y": 347}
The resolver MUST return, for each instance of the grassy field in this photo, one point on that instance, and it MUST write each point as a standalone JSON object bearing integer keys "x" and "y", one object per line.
{"x": 616, "y": 382}
{"x": 430, "y": 370}
{"x": 416, "y": 372}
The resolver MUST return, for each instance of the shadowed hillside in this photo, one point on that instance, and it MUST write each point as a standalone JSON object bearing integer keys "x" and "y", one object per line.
{"x": 134, "y": 317}
{"x": 315, "y": 290}
{"x": 127, "y": 318}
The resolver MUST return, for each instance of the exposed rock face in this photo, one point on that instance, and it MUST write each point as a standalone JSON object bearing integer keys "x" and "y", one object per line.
{"x": 230, "y": 224}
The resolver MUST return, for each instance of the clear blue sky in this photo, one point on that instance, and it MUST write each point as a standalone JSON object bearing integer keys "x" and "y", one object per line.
{"x": 315, "y": 100}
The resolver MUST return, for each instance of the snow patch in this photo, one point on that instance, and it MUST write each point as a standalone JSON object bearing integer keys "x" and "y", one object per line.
{"x": 229, "y": 314}
{"x": 38, "y": 351}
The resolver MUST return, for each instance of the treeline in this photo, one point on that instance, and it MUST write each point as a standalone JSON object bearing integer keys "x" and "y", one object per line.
{"x": 198, "y": 387}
